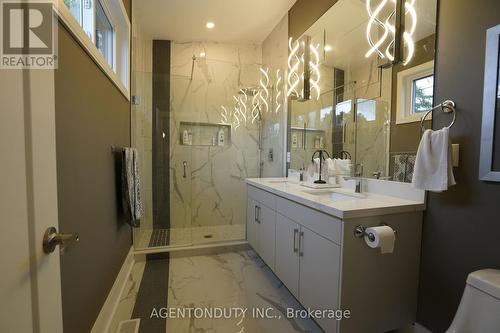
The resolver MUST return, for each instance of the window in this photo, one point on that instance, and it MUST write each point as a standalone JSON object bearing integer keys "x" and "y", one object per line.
{"x": 75, "y": 7}
{"x": 415, "y": 88}
{"x": 366, "y": 109}
{"x": 422, "y": 89}
{"x": 103, "y": 29}
{"x": 104, "y": 34}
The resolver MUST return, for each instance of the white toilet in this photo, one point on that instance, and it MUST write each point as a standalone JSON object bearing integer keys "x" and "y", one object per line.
{"x": 479, "y": 309}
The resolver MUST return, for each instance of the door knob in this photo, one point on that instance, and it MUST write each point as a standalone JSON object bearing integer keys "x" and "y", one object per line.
{"x": 52, "y": 238}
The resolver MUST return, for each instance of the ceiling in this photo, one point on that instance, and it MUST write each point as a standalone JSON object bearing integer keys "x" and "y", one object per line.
{"x": 236, "y": 21}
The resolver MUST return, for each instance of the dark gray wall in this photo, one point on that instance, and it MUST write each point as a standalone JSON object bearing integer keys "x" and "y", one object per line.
{"x": 91, "y": 115}
{"x": 461, "y": 226}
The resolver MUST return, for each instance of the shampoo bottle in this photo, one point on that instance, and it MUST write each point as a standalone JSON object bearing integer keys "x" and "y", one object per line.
{"x": 221, "y": 138}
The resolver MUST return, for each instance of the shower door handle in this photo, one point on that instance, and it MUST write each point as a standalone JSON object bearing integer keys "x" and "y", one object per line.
{"x": 184, "y": 166}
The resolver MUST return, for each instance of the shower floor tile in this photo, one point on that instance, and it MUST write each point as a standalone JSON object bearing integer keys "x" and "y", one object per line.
{"x": 187, "y": 236}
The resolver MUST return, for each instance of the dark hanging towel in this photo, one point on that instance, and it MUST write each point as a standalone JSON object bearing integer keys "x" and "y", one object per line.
{"x": 131, "y": 196}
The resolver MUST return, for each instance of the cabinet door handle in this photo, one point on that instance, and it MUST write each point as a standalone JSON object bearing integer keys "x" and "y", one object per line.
{"x": 301, "y": 241}
{"x": 257, "y": 214}
{"x": 295, "y": 233}
{"x": 184, "y": 166}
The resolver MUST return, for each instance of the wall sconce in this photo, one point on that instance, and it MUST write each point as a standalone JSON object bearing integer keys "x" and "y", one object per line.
{"x": 293, "y": 68}
{"x": 303, "y": 68}
{"x": 255, "y": 106}
{"x": 278, "y": 89}
{"x": 243, "y": 104}
{"x": 315, "y": 74}
{"x": 392, "y": 25}
{"x": 236, "y": 114}
{"x": 264, "y": 84}
{"x": 224, "y": 115}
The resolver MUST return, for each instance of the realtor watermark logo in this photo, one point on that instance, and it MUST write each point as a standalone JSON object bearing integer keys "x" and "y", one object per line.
{"x": 28, "y": 34}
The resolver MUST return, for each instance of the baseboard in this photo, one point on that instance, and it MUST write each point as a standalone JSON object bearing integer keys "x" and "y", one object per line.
{"x": 108, "y": 310}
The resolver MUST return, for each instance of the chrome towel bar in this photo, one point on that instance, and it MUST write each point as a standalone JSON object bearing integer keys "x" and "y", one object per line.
{"x": 447, "y": 107}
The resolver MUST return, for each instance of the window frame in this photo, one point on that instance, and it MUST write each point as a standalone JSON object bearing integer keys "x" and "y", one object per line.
{"x": 404, "y": 99}
{"x": 119, "y": 71}
{"x": 111, "y": 20}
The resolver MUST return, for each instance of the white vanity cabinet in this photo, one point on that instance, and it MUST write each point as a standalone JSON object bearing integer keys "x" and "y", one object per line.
{"x": 261, "y": 228}
{"x": 326, "y": 267}
{"x": 306, "y": 262}
{"x": 287, "y": 253}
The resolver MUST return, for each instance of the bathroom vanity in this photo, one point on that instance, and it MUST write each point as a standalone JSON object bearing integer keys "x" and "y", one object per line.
{"x": 307, "y": 237}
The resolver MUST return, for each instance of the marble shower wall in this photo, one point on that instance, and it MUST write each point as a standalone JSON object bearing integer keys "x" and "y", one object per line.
{"x": 212, "y": 192}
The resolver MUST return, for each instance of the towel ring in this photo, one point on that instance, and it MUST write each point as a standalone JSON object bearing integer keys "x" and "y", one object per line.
{"x": 447, "y": 107}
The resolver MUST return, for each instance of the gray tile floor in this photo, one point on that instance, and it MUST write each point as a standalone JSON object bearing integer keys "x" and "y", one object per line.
{"x": 232, "y": 280}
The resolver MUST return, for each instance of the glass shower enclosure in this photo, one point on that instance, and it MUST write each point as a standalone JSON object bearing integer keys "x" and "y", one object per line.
{"x": 194, "y": 157}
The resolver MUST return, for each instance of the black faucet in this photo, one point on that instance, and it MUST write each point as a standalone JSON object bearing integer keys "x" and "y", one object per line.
{"x": 321, "y": 154}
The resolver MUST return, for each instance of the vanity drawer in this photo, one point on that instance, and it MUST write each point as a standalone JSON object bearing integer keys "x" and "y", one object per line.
{"x": 325, "y": 225}
{"x": 264, "y": 197}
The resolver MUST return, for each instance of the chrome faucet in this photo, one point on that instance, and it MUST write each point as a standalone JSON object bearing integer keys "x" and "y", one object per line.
{"x": 358, "y": 178}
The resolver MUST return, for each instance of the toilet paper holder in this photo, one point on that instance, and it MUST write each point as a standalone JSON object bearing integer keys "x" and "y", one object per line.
{"x": 360, "y": 232}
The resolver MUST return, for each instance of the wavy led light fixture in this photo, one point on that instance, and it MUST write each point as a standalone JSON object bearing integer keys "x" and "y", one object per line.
{"x": 264, "y": 84}
{"x": 278, "y": 91}
{"x": 224, "y": 115}
{"x": 243, "y": 105}
{"x": 388, "y": 28}
{"x": 236, "y": 114}
{"x": 293, "y": 68}
{"x": 255, "y": 106}
{"x": 315, "y": 74}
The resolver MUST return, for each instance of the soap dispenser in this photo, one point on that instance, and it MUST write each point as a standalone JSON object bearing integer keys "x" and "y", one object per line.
{"x": 185, "y": 137}
{"x": 294, "y": 140}
{"x": 221, "y": 137}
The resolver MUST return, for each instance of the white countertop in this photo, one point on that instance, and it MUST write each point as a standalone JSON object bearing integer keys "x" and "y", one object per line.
{"x": 361, "y": 205}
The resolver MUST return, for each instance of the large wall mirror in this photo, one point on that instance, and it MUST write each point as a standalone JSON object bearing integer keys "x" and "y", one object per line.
{"x": 489, "y": 167}
{"x": 364, "y": 106}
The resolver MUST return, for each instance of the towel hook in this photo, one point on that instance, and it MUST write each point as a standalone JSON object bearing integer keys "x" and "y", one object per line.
{"x": 447, "y": 107}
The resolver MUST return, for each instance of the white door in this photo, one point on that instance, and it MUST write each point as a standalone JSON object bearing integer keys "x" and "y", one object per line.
{"x": 287, "y": 253}
{"x": 266, "y": 234}
{"x": 30, "y": 286}
{"x": 319, "y": 275}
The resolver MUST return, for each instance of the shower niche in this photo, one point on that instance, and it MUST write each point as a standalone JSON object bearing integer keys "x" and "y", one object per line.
{"x": 204, "y": 134}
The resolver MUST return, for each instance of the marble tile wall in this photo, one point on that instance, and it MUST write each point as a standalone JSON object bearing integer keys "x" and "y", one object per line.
{"x": 212, "y": 192}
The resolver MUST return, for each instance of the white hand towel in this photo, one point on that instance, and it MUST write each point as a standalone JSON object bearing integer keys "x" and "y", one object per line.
{"x": 433, "y": 166}
{"x": 330, "y": 164}
{"x": 342, "y": 166}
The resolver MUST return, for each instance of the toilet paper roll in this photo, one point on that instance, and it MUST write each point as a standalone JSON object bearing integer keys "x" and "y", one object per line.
{"x": 382, "y": 237}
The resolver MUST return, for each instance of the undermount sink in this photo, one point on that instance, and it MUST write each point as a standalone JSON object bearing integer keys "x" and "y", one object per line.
{"x": 334, "y": 196}
{"x": 276, "y": 181}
